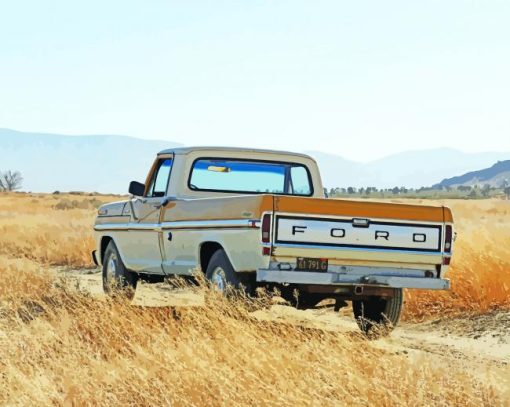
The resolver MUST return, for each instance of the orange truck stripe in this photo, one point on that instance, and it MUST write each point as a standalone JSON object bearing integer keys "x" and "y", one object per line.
{"x": 382, "y": 210}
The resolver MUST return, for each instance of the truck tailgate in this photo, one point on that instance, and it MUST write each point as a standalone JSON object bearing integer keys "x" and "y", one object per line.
{"x": 358, "y": 232}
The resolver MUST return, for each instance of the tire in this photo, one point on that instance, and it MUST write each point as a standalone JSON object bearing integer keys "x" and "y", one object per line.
{"x": 223, "y": 276}
{"x": 379, "y": 314}
{"x": 117, "y": 280}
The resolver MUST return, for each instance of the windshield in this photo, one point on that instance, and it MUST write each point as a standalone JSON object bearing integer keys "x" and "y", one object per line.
{"x": 250, "y": 176}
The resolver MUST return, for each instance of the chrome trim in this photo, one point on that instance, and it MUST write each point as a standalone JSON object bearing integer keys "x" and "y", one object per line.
{"x": 357, "y": 249}
{"x": 113, "y": 215}
{"x": 212, "y": 224}
{"x": 199, "y": 224}
{"x": 350, "y": 218}
{"x": 111, "y": 226}
{"x": 319, "y": 231}
{"x": 128, "y": 226}
{"x": 360, "y": 222}
{"x": 306, "y": 277}
{"x": 363, "y": 270}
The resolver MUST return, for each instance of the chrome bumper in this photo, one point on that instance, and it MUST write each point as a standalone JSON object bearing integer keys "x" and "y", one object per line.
{"x": 331, "y": 278}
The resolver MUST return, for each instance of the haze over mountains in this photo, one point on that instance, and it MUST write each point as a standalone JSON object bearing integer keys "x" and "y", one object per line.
{"x": 106, "y": 163}
{"x": 412, "y": 169}
{"x": 97, "y": 163}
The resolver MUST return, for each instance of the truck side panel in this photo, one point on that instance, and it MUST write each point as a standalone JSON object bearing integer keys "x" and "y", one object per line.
{"x": 232, "y": 222}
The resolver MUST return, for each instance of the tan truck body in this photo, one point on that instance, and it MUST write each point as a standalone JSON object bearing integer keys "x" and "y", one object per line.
{"x": 367, "y": 244}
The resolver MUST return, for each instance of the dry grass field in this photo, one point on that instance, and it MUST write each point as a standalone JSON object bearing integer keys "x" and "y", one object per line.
{"x": 60, "y": 345}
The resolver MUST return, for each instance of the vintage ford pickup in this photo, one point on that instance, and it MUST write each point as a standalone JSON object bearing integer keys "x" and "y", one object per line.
{"x": 249, "y": 218}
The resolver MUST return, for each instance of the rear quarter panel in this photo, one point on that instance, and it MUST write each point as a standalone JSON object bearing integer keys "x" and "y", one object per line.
{"x": 203, "y": 223}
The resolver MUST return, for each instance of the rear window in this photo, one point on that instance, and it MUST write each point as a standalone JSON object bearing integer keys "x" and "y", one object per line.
{"x": 250, "y": 176}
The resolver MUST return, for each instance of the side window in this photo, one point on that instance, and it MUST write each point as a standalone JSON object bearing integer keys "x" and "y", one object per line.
{"x": 159, "y": 181}
{"x": 300, "y": 181}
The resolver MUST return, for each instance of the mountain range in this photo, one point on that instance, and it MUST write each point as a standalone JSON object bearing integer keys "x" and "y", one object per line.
{"x": 496, "y": 176}
{"x": 106, "y": 163}
{"x": 412, "y": 169}
{"x": 100, "y": 163}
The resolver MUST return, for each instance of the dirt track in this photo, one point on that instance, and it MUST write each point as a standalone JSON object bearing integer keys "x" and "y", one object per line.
{"x": 480, "y": 343}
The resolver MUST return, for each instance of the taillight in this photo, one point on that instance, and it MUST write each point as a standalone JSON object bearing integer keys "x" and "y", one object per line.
{"x": 448, "y": 236}
{"x": 266, "y": 234}
{"x": 266, "y": 229}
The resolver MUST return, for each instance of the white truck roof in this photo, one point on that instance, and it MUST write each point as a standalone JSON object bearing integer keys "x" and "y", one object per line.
{"x": 187, "y": 150}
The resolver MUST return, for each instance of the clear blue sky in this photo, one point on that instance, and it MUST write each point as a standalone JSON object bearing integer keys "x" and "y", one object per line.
{"x": 361, "y": 79}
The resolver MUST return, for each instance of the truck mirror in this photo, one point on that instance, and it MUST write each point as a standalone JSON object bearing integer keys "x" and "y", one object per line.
{"x": 136, "y": 188}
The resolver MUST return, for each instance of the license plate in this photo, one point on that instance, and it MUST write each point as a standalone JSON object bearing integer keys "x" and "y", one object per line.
{"x": 310, "y": 264}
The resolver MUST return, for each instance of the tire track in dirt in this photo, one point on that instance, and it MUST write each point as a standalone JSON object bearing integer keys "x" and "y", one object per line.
{"x": 481, "y": 342}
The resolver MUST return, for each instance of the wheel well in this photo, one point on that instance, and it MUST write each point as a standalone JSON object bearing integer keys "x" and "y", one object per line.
{"x": 207, "y": 249}
{"x": 104, "y": 244}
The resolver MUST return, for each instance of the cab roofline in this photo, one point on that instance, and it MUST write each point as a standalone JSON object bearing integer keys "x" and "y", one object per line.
{"x": 187, "y": 150}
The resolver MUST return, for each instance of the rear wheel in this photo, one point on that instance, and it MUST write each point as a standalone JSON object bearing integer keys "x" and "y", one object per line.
{"x": 117, "y": 280}
{"x": 378, "y": 313}
{"x": 222, "y": 275}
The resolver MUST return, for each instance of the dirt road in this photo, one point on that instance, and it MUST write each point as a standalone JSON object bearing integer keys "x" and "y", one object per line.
{"x": 480, "y": 343}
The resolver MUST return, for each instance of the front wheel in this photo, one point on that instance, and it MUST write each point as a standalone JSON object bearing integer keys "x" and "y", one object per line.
{"x": 117, "y": 280}
{"x": 379, "y": 313}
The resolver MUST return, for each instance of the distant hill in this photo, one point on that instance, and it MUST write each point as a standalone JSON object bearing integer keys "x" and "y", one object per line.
{"x": 415, "y": 169}
{"x": 99, "y": 163}
{"x": 496, "y": 176}
{"x": 106, "y": 163}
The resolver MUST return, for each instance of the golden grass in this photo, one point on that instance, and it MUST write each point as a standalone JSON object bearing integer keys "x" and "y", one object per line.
{"x": 60, "y": 346}
{"x": 57, "y": 230}
{"x": 63, "y": 347}
{"x": 480, "y": 270}
{"x": 49, "y": 229}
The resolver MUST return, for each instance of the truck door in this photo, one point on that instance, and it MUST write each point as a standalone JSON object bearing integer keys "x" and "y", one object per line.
{"x": 145, "y": 228}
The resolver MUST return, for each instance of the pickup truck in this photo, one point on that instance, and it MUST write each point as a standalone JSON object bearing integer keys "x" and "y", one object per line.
{"x": 250, "y": 218}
